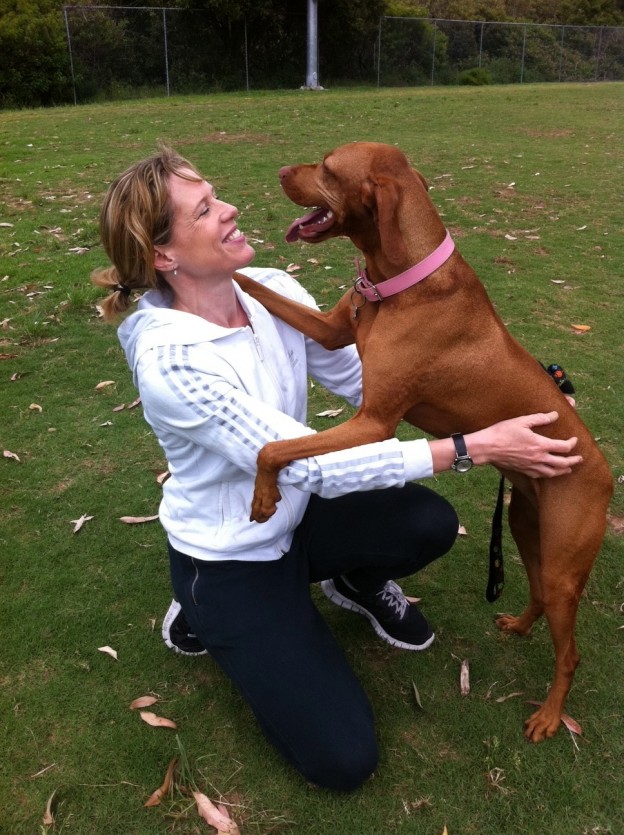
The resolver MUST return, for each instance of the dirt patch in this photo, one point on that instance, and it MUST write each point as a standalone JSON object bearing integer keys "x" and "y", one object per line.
{"x": 547, "y": 134}
{"x": 616, "y": 524}
{"x": 225, "y": 138}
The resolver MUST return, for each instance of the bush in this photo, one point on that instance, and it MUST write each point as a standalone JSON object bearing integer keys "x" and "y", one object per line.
{"x": 476, "y": 77}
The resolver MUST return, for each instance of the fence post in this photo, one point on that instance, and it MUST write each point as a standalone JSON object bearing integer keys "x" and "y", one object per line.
{"x": 561, "y": 52}
{"x": 481, "y": 42}
{"x": 598, "y": 51}
{"x": 164, "y": 11}
{"x": 246, "y": 58}
{"x": 433, "y": 54}
{"x": 523, "y": 51}
{"x": 71, "y": 57}
{"x": 379, "y": 54}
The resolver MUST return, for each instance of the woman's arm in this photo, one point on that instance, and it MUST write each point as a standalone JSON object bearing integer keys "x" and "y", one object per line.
{"x": 512, "y": 444}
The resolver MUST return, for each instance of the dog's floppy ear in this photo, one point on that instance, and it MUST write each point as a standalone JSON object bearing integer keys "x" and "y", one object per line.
{"x": 421, "y": 178}
{"x": 382, "y": 195}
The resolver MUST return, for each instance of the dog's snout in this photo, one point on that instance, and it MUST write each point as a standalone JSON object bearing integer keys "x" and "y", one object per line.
{"x": 284, "y": 172}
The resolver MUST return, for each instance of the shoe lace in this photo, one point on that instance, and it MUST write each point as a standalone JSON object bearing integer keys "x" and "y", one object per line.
{"x": 392, "y": 595}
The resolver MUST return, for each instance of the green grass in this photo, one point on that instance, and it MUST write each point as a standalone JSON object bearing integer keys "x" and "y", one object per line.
{"x": 460, "y": 762}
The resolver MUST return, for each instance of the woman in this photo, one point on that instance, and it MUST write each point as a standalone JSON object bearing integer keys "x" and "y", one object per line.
{"x": 219, "y": 378}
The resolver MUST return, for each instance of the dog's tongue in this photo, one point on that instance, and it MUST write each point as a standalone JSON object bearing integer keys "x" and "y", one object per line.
{"x": 294, "y": 231}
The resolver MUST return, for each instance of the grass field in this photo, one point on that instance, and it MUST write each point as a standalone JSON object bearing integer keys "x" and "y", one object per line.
{"x": 529, "y": 180}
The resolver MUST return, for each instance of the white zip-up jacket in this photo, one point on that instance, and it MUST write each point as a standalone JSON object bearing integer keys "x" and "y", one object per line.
{"x": 215, "y": 396}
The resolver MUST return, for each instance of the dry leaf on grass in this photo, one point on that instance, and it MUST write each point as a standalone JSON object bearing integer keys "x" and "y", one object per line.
{"x": 580, "y": 328}
{"x": 571, "y": 724}
{"x": 137, "y": 520}
{"x": 217, "y": 817}
{"x": 417, "y": 695}
{"x": 78, "y": 523}
{"x": 35, "y": 407}
{"x": 109, "y": 651}
{"x": 330, "y": 413}
{"x": 157, "y": 721}
{"x": 464, "y": 678}
{"x": 104, "y": 384}
{"x": 162, "y": 477}
{"x": 155, "y": 798}
{"x": 48, "y": 817}
{"x": 461, "y": 531}
{"x": 8, "y": 454}
{"x": 502, "y": 699}
{"x": 134, "y": 403}
{"x": 144, "y": 701}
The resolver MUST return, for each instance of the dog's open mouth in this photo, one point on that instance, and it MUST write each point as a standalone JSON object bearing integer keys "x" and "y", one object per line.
{"x": 306, "y": 228}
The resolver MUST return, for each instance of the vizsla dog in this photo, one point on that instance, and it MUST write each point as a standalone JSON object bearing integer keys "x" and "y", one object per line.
{"x": 434, "y": 352}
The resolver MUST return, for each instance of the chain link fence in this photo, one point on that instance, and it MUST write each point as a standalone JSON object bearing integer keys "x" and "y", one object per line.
{"x": 421, "y": 51}
{"x": 118, "y": 52}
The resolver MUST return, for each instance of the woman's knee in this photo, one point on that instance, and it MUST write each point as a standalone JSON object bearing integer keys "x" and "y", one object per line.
{"x": 344, "y": 767}
{"x": 431, "y": 520}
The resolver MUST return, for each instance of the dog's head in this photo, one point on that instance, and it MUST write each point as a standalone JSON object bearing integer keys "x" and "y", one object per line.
{"x": 358, "y": 191}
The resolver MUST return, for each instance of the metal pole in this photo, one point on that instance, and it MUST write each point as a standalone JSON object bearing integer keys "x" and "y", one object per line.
{"x": 379, "y": 54}
{"x": 71, "y": 58}
{"x": 246, "y": 58}
{"x": 435, "y": 32}
{"x": 166, "y": 50}
{"x": 561, "y": 52}
{"x": 312, "y": 67}
{"x": 523, "y": 51}
{"x": 598, "y": 51}
{"x": 481, "y": 44}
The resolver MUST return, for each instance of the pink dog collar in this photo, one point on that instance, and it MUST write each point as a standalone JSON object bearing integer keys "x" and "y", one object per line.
{"x": 378, "y": 292}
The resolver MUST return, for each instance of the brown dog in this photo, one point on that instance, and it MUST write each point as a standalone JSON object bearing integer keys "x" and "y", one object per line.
{"x": 434, "y": 355}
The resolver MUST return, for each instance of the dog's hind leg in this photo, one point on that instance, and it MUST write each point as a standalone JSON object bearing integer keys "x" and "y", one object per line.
{"x": 565, "y": 568}
{"x": 570, "y": 540}
{"x": 524, "y": 525}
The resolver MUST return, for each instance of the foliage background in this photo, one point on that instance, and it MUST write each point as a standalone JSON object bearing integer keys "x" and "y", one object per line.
{"x": 118, "y": 53}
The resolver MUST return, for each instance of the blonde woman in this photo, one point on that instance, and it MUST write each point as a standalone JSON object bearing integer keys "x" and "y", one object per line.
{"x": 219, "y": 378}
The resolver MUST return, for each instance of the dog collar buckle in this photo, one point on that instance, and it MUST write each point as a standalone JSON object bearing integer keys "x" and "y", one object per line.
{"x": 377, "y": 292}
{"x": 365, "y": 287}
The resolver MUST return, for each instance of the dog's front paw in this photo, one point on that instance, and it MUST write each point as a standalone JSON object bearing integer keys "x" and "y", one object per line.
{"x": 264, "y": 503}
{"x": 542, "y": 724}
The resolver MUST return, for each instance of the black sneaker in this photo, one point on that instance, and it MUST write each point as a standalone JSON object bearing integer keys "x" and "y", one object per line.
{"x": 394, "y": 618}
{"x": 177, "y": 633}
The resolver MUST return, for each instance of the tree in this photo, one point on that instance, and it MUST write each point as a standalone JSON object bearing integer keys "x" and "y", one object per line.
{"x": 35, "y": 61}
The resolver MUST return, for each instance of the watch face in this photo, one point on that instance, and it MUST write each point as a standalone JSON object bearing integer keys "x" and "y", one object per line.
{"x": 462, "y": 465}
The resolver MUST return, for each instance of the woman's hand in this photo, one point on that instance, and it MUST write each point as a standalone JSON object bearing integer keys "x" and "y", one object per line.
{"x": 513, "y": 445}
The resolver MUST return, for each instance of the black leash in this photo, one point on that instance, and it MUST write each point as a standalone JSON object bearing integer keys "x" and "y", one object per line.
{"x": 496, "y": 572}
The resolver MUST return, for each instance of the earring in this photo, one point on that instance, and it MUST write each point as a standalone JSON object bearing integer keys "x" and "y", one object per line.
{"x": 175, "y": 272}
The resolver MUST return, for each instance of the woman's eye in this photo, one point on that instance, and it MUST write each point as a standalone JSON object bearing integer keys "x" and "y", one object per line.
{"x": 204, "y": 212}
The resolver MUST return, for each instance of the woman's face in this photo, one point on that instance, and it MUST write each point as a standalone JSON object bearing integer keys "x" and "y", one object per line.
{"x": 206, "y": 240}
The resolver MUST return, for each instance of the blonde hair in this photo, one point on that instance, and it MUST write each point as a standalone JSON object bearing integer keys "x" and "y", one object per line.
{"x": 137, "y": 215}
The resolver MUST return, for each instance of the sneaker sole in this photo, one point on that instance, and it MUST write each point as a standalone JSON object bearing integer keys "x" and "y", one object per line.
{"x": 332, "y": 593}
{"x": 172, "y": 613}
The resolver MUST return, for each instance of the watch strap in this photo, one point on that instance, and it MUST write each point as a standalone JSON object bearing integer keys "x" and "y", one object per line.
{"x": 461, "y": 450}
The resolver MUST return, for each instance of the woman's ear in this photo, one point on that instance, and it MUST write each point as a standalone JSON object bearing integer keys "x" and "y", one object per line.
{"x": 162, "y": 261}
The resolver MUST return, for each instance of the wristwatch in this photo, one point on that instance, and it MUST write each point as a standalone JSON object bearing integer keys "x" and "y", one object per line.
{"x": 463, "y": 462}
